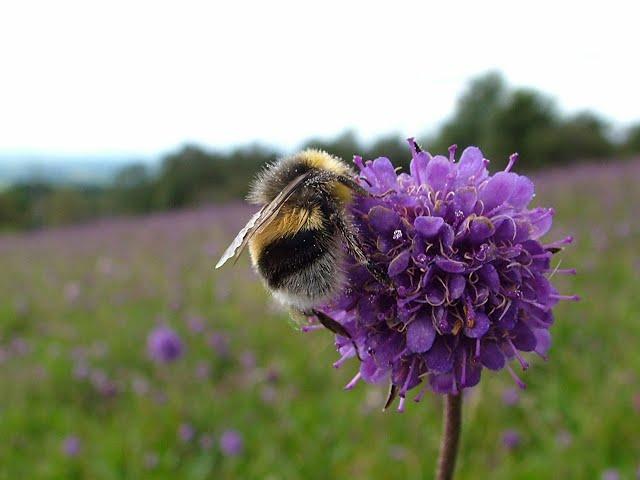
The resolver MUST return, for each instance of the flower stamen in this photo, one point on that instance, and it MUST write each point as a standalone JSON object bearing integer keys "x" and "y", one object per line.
{"x": 352, "y": 383}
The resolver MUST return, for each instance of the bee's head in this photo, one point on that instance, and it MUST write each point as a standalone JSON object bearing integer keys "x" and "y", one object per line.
{"x": 276, "y": 176}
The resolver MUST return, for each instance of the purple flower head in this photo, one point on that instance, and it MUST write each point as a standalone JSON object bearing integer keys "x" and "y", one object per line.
{"x": 196, "y": 324}
{"x": 564, "y": 439}
{"x": 186, "y": 432}
{"x": 150, "y": 460}
{"x": 203, "y": 370}
{"x": 248, "y": 360}
{"x": 469, "y": 276}
{"x": 164, "y": 345}
{"x": 220, "y": 344}
{"x": 511, "y": 439}
{"x": 231, "y": 443}
{"x": 510, "y": 397}
{"x": 72, "y": 292}
{"x": 71, "y": 446}
{"x": 610, "y": 474}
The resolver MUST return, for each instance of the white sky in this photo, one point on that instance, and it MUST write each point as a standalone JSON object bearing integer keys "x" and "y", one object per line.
{"x": 144, "y": 77}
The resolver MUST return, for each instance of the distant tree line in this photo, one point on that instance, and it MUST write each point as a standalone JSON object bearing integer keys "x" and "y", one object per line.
{"x": 499, "y": 119}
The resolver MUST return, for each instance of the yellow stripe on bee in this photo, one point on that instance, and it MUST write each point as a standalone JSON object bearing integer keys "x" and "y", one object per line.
{"x": 344, "y": 193}
{"x": 287, "y": 223}
{"x": 314, "y": 220}
{"x": 323, "y": 161}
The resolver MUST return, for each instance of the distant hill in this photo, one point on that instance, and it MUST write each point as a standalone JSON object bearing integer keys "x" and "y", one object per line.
{"x": 60, "y": 170}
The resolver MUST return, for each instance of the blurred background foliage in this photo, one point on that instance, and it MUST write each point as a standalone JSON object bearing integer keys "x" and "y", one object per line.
{"x": 491, "y": 114}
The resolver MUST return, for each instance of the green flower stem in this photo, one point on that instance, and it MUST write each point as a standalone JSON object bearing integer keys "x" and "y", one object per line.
{"x": 452, "y": 423}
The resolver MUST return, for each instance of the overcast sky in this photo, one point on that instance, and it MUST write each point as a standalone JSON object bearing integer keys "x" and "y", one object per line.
{"x": 144, "y": 77}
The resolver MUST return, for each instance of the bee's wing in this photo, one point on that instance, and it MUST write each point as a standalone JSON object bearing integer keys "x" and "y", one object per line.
{"x": 237, "y": 242}
{"x": 259, "y": 220}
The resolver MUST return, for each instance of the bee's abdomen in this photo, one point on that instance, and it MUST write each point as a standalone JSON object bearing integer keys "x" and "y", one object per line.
{"x": 288, "y": 255}
{"x": 302, "y": 264}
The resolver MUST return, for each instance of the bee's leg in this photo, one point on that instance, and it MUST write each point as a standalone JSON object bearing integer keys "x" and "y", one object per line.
{"x": 353, "y": 185}
{"x": 382, "y": 195}
{"x": 379, "y": 274}
{"x": 334, "y": 326}
{"x": 355, "y": 249}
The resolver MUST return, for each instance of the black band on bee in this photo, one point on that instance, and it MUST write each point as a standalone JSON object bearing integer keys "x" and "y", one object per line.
{"x": 290, "y": 255}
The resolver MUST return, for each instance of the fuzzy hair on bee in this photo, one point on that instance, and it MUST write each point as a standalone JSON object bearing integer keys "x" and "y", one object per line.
{"x": 275, "y": 176}
{"x": 297, "y": 239}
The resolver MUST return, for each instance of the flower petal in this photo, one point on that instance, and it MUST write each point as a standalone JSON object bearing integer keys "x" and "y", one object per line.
{"x": 480, "y": 326}
{"x": 438, "y": 171}
{"x": 465, "y": 199}
{"x": 456, "y": 286}
{"x": 451, "y": 266}
{"x": 383, "y": 220}
{"x": 543, "y": 341}
{"x": 371, "y": 372}
{"x": 400, "y": 263}
{"x": 480, "y": 229}
{"x": 498, "y": 189}
{"x": 418, "y": 167}
{"x": 491, "y": 356}
{"x": 385, "y": 173}
{"x": 428, "y": 227}
{"x": 524, "y": 339}
{"x": 541, "y": 221}
{"x": 420, "y": 335}
{"x": 443, "y": 383}
{"x": 522, "y": 193}
{"x": 471, "y": 166}
{"x": 439, "y": 358}
{"x": 489, "y": 275}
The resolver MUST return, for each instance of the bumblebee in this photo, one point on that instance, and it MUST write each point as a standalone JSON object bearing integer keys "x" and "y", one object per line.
{"x": 296, "y": 239}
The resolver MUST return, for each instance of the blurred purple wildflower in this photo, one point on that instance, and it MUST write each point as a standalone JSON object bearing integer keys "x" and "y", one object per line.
{"x": 102, "y": 383}
{"x": 105, "y": 266}
{"x": 150, "y": 460}
{"x": 469, "y": 274}
{"x": 248, "y": 360}
{"x": 269, "y": 395}
{"x": 72, "y": 292}
{"x": 511, "y": 439}
{"x": 231, "y": 443}
{"x": 510, "y": 397}
{"x": 186, "y": 432}
{"x": 164, "y": 345}
{"x": 203, "y": 370}
{"x": 175, "y": 304}
{"x": 398, "y": 452}
{"x": 610, "y": 474}
{"x": 564, "y": 439}
{"x": 71, "y": 446}
{"x": 99, "y": 349}
{"x": 219, "y": 343}
{"x": 195, "y": 324}
{"x": 19, "y": 346}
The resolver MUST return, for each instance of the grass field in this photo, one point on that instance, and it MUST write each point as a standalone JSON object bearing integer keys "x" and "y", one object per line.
{"x": 82, "y": 399}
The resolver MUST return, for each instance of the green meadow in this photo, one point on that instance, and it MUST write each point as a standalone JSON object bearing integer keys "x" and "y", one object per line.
{"x": 77, "y": 304}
